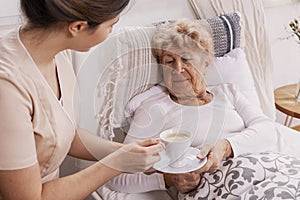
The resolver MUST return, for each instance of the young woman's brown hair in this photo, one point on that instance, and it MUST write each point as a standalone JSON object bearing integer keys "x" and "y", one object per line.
{"x": 42, "y": 14}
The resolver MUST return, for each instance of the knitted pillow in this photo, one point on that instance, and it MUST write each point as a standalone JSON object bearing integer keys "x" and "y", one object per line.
{"x": 225, "y": 30}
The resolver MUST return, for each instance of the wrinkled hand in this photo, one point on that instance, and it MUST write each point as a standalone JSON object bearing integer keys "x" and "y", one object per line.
{"x": 215, "y": 154}
{"x": 134, "y": 157}
{"x": 184, "y": 183}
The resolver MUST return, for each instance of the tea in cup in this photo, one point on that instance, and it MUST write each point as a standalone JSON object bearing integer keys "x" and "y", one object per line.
{"x": 176, "y": 142}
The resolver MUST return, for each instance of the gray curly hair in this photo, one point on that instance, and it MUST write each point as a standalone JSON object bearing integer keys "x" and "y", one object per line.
{"x": 183, "y": 32}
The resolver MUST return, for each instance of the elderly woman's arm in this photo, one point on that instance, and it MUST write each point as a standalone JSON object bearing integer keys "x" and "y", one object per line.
{"x": 137, "y": 183}
{"x": 258, "y": 136}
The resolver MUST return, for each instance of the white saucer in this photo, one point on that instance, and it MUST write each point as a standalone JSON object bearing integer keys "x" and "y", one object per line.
{"x": 193, "y": 163}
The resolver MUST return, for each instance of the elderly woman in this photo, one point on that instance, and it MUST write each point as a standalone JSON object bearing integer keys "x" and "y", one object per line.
{"x": 219, "y": 117}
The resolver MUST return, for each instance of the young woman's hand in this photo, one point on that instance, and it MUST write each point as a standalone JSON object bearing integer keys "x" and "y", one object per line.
{"x": 134, "y": 157}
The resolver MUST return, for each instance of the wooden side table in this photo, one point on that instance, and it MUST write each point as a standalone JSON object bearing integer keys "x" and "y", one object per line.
{"x": 285, "y": 101}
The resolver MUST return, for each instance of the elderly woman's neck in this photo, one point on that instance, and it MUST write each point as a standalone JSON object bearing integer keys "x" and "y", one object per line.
{"x": 193, "y": 101}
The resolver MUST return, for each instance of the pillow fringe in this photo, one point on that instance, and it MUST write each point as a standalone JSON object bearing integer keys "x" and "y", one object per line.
{"x": 133, "y": 57}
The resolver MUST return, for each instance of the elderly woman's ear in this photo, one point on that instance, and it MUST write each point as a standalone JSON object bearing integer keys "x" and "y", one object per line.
{"x": 206, "y": 65}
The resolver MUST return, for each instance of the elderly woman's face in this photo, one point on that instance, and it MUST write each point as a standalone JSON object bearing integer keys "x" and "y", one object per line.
{"x": 182, "y": 74}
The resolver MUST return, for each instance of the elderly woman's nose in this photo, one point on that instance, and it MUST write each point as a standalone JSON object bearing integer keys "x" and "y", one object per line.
{"x": 179, "y": 66}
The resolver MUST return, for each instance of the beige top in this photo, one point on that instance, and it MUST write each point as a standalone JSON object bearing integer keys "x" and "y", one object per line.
{"x": 34, "y": 125}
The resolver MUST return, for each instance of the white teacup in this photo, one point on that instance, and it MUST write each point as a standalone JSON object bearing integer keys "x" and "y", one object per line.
{"x": 177, "y": 143}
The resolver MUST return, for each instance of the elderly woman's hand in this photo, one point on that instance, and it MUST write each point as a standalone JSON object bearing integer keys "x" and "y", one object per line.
{"x": 184, "y": 183}
{"x": 215, "y": 155}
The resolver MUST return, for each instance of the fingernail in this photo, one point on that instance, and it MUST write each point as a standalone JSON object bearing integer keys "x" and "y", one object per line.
{"x": 201, "y": 153}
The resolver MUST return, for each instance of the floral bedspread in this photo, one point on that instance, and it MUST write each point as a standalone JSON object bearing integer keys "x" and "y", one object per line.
{"x": 267, "y": 176}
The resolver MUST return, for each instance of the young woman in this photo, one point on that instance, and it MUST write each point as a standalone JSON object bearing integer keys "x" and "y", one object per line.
{"x": 37, "y": 123}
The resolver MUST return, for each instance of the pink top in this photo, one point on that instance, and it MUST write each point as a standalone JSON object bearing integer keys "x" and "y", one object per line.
{"x": 34, "y": 125}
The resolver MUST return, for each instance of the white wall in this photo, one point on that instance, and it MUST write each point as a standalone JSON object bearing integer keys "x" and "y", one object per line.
{"x": 9, "y": 14}
{"x": 285, "y": 52}
{"x": 174, "y": 9}
{"x": 9, "y": 9}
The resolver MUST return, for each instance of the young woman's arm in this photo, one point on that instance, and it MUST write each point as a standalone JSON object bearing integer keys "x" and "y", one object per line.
{"x": 87, "y": 146}
{"x": 25, "y": 184}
